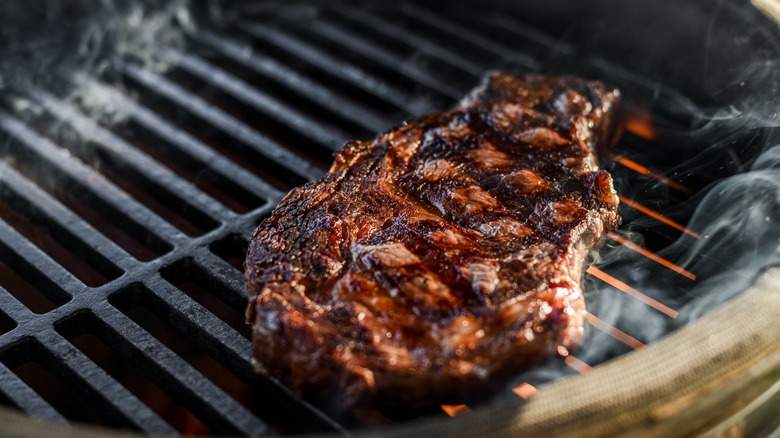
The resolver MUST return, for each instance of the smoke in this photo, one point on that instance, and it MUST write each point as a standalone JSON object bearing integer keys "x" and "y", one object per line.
{"x": 735, "y": 220}
{"x": 42, "y": 41}
{"x": 739, "y": 219}
{"x": 752, "y": 96}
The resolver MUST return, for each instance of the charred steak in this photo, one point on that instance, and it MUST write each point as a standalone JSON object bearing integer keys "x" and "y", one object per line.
{"x": 443, "y": 254}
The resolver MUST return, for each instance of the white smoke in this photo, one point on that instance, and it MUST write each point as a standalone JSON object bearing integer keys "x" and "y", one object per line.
{"x": 739, "y": 223}
{"x": 43, "y": 41}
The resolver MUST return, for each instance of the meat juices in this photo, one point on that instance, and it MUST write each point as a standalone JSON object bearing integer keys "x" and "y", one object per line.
{"x": 442, "y": 256}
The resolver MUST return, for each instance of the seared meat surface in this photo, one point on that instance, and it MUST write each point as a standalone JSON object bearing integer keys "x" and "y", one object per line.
{"x": 443, "y": 254}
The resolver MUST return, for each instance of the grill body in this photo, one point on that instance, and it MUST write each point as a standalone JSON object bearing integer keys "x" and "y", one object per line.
{"x": 121, "y": 242}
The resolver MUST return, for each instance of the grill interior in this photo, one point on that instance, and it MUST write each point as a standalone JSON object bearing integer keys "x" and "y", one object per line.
{"x": 121, "y": 245}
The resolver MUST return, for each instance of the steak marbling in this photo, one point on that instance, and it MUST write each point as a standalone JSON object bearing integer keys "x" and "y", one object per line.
{"x": 443, "y": 254}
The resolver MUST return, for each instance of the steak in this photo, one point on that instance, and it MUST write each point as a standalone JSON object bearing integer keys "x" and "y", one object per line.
{"x": 443, "y": 255}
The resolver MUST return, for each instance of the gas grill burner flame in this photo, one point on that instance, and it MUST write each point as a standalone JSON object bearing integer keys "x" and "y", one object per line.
{"x": 142, "y": 141}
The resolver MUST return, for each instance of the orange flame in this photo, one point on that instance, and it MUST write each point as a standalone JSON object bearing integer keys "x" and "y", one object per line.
{"x": 620, "y": 335}
{"x": 455, "y": 410}
{"x": 638, "y": 168}
{"x": 657, "y": 216}
{"x": 578, "y": 365}
{"x": 640, "y": 123}
{"x": 652, "y": 256}
{"x": 614, "y": 282}
{"x": 525, "y": 390}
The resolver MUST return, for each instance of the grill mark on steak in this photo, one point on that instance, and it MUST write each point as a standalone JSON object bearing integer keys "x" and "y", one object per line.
{"x": 442, "y": 255}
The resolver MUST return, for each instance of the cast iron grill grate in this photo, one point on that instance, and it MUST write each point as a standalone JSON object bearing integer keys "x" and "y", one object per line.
{"x": 121, "y": 291}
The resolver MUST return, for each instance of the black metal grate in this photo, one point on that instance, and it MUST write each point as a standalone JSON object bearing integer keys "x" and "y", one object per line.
{"x": 121, "y": 291}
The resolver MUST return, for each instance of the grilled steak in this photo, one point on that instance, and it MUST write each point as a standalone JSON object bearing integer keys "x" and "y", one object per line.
{"x": 443, "y": 254}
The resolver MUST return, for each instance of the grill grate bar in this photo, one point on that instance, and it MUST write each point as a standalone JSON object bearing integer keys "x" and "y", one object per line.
{"x": 98, "y": 185}
{"x": 231, "y": 281}
{"x": 644, "y": 171}
{"x": 380, "y": 55}
{"x": 525, "y": 31}
{"x": 233, "y": 351}
{"x": 67, "y": 220}
{"x": 78, "y": 298}
{"x": 652, "y": 256}
{"x": 665, "y": 100}
{"x": 13, "y": 308}
{"x": 243, "y": 54}
{"x": 662, "y": 96}
{"x": 211, "y": 331}
{"x": 623, "y": 287}
{"x": 328, "y": 136}
{"x": 197, "y": 393}
{"x": 144, "y": 164}
{"x": 223, "y": 121}
{"x": 184, "y": 141}
{"x": 38, "y": 259}
{"x": 26, "y": 399}
{"x": 344, "y": 70}
{"x": 459, "y": 31}
{"x": 657, "y": 216}
{"x": 411, "y": 38}
{"x": 670, "y": 101}
{"x": 109, "y": 393}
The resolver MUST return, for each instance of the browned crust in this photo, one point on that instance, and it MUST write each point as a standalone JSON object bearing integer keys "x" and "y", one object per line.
{"x": 442, "y": 254}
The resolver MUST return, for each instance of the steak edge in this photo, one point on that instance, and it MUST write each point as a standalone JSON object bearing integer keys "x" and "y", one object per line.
{"x": 443, "y": 255}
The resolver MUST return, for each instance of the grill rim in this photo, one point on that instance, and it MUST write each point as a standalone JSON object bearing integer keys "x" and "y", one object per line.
{"x": 270, "y": 202}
